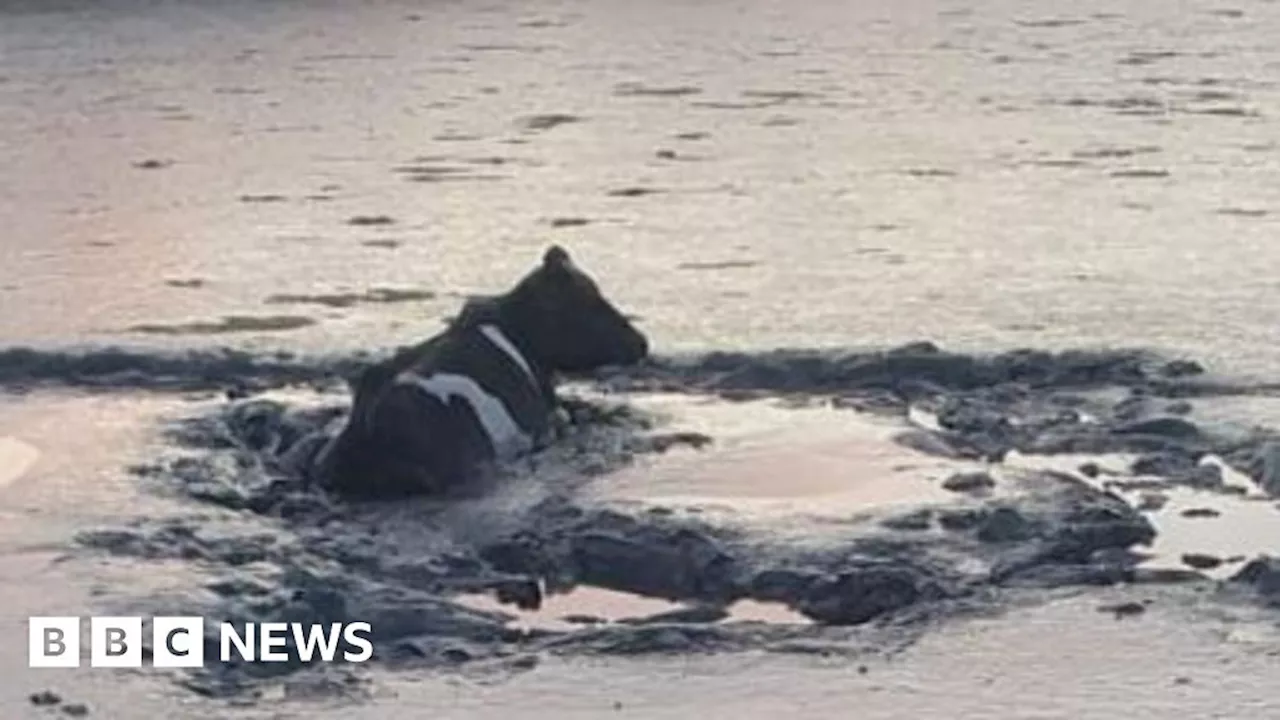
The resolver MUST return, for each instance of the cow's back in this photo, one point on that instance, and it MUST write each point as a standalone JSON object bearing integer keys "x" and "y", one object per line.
{"x": 425, "y": 419}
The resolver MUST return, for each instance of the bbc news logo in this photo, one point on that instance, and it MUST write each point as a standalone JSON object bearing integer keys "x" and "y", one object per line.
{"x": 179, "y": 642}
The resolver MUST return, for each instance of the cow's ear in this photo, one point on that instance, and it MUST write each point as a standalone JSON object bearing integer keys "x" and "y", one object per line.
{"x": 556, "y": 257}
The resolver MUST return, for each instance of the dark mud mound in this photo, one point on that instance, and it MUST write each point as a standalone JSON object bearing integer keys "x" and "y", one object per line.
{"x": 230, "y": 370}
{"x": 918, "y": 365}
{"x": 915, "y": 369}
{"x": 1030, "y": 401}
{"x": 282, "y": 550}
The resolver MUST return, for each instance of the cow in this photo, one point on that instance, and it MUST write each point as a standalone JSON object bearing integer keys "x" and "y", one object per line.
{"x": 434, "y": 416}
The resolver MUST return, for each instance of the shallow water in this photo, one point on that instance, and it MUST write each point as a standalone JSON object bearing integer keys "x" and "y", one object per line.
{"x": 768, "y": 458}
{"x": 586, "y": 605}
{"x": 1245, "y": 525}
{"x": 1242, "y": 530}
{"x": 792, "y": 466}
{"x": 994, "y": 174}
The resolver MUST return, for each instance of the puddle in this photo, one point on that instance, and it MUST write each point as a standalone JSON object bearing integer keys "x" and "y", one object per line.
{"x": 1245, "y": 526}
{"x": 586, "y": 606}
{"x": 1244, "y": 529}
{"x": 770, "y": 457}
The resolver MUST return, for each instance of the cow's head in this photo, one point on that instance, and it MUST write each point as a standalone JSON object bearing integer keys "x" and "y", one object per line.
{"x": 561, "y": 316}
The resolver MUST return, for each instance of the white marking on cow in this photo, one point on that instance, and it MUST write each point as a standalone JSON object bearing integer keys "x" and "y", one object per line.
{"x": 508, "y": 440}
{"x": 337, "y": 425}
{"x": 497, "y": 337}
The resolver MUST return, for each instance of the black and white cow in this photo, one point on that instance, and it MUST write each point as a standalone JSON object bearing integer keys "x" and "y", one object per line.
{"x": 426, "y": 420}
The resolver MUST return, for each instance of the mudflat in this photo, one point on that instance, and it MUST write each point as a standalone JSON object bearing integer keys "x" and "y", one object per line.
{"x": 799, "y": 506}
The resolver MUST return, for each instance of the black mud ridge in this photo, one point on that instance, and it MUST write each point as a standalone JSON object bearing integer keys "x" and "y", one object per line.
{"x": 283, "y": 552}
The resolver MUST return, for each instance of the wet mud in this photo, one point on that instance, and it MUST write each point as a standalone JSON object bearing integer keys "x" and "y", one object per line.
{"x": 350, "y": 299}
{"x": 1037, "y": 465}
{"x": 227, "y": 324}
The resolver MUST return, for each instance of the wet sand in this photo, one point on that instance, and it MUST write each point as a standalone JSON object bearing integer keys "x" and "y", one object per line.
{"x": 1057, "y": 661}
{"x": 983, "y": 175}
{"x": 77, "y": 446}
{"x": 63, "y": 456}
{"x": 16, "y": 457}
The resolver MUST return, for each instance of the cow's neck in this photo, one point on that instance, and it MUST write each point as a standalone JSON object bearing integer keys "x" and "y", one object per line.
{"x": 519, "y": 338}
